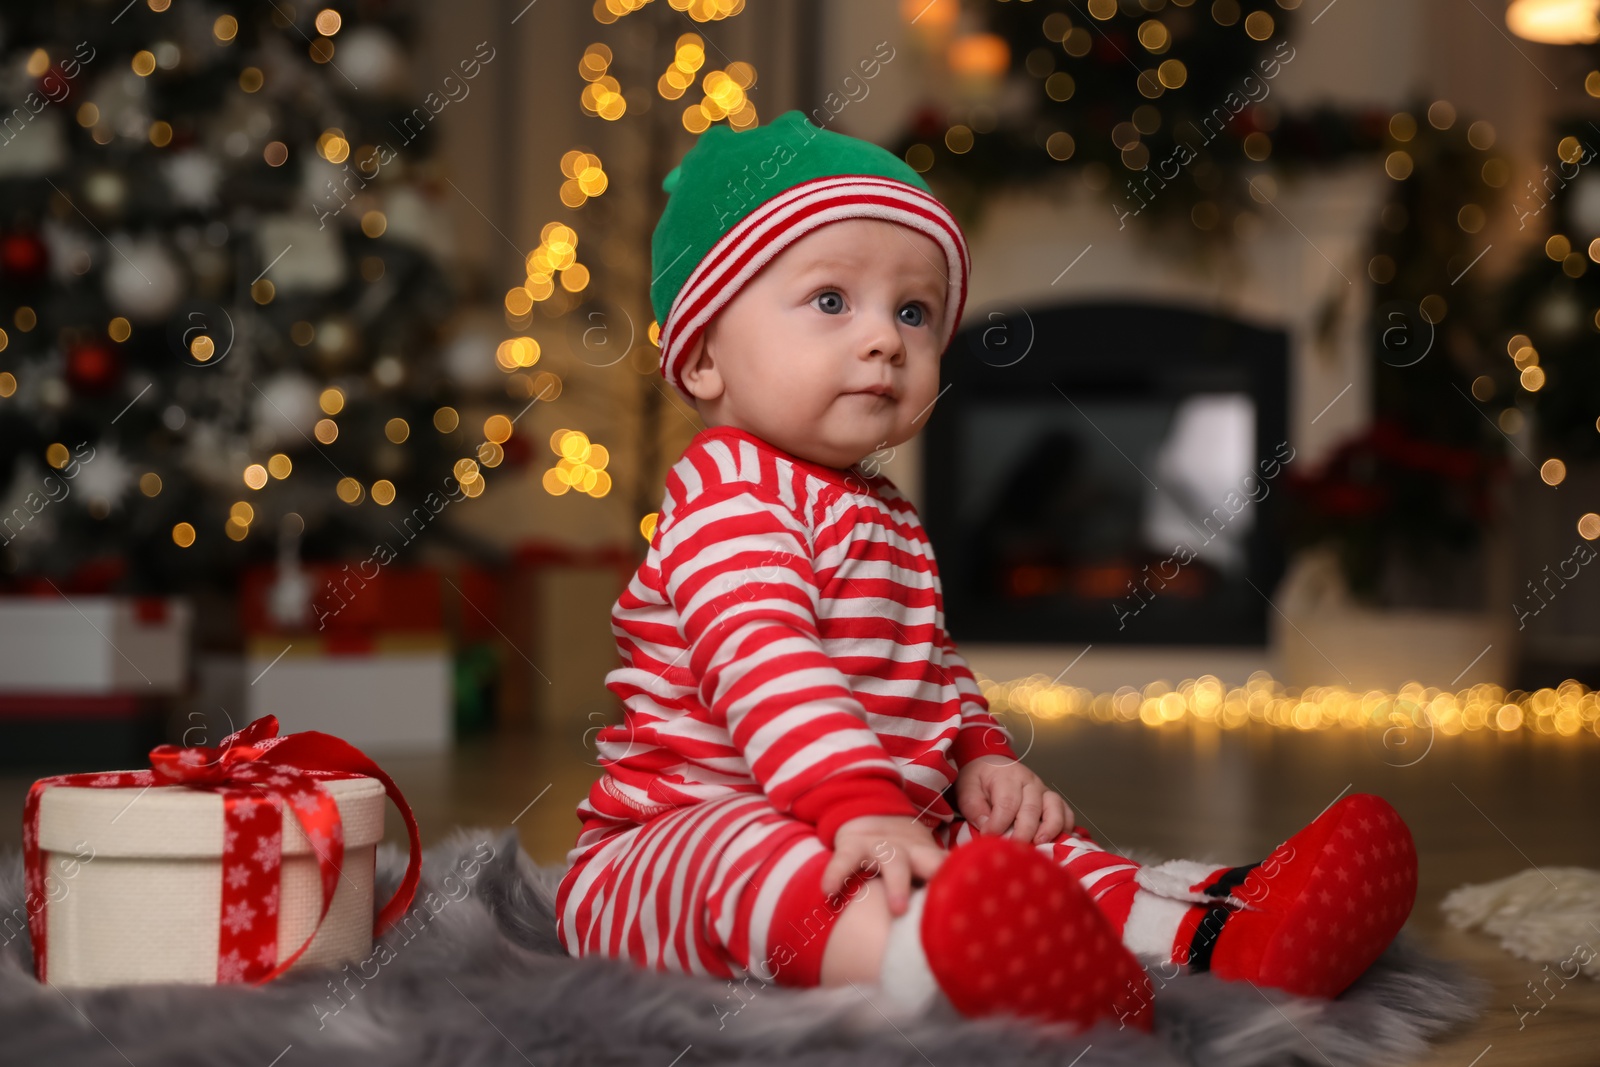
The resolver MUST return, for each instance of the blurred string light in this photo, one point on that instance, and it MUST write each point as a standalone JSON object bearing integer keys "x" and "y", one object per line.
{"x": 1526, "y": 358}
{"x": 514, "y": 353}
{"x": 1566, "y": 710}
{"x": 332, "y": 145}
{"x": 554, "y": 261}
{"x": 581, "y": 466}
{"x": 688, "y": 56}
{"x": 609, "y": 11}
{"x": 585, "y": 178}
{"x": 724, "y": 92}
{"x": 240, "y": 516}
{"x": 544, "y": 386}
{"x": 602, "y": 95}
{"x": 724, "y": 95}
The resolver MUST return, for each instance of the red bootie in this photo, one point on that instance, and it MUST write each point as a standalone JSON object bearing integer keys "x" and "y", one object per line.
{"x": 1319, "y": 910}
{"x": 1008, "y": 932}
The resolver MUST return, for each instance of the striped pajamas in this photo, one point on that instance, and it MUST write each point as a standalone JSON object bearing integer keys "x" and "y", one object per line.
{"x": 785, "y": 668}
{"x": 732, "y": 887}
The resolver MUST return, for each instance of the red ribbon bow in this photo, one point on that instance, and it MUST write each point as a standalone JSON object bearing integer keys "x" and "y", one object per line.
{"x": 258, "y": 774}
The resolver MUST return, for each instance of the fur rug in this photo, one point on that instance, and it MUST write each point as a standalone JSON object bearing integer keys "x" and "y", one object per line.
{"x": 1548, "y": 914}
{"x": 480, "y": 978}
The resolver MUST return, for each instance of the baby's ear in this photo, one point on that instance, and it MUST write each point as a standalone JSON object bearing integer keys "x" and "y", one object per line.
{"x": 696, "y": 355}
{"x": 700, "y": 376}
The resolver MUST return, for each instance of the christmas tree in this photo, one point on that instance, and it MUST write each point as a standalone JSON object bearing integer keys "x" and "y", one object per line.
{"x": 1406, "y": 501}
{"x": 224, "y": 312}
{"x": 1546, "y": 379}
{"x": 1166, "y": 108}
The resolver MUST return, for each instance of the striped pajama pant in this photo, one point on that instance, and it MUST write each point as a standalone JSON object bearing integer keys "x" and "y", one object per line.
{"x": 732, "y": 887}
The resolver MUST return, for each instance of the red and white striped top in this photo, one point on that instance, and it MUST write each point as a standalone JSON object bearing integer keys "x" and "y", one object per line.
{"x": 785, "y": 634}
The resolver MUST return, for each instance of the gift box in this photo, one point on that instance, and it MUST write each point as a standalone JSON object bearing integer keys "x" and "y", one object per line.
{"x": 48, "y": 731}
{"x": 388, "y": 691}
{"x": 225, "y": 864}
{"x": 91, "y": 644}
{"x": 366, "y": 659}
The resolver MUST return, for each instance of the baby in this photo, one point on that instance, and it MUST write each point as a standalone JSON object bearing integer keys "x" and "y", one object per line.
{"x": 798, "y": 721}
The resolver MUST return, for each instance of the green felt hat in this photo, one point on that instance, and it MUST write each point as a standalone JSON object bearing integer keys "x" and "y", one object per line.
{"x": 738, "y": 198}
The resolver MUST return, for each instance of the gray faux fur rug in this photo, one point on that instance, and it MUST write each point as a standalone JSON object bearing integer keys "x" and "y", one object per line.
{"x": 484, "y": 981}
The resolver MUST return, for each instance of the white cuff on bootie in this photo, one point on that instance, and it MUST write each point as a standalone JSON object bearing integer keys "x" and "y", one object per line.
{"x": 906, "y": 980}
{"x": 1173, "y": 878}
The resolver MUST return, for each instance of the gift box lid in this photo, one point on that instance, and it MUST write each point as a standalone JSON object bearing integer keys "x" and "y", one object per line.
{"x": 177, "y": 821}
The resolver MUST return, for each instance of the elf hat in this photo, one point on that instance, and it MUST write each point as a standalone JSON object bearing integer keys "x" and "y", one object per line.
{"x": 739, "y": 198}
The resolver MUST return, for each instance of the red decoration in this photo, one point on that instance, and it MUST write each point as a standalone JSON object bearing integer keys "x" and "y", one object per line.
{"x": 517, "y": 451}
{"x": 56, "y": 84}
{"x": 1361, "y": 476}
{"x": 93, "y": 367}
{"x": 360, "y": 597}
{"x": 928, "y": 124}
{"x": 23, "y": 257}
{"x": 93, "y": 577}
{"x": 258, "y": 773}
{"x": 1113, "y": 47}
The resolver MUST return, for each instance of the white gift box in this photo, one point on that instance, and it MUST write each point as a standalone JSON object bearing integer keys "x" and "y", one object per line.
{"x": 385, "y": 692}
{"x": 135, "y": 883}
{"x": 94, "y": 644}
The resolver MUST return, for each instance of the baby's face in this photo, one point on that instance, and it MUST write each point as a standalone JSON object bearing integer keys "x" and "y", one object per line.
{"x": 854, "y": 305}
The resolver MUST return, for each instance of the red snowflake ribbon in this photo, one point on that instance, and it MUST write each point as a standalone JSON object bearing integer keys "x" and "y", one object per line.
{"x": 260, "y": 775}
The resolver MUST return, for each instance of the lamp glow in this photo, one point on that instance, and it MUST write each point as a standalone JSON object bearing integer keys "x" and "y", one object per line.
{"x": 1554, "y": 21}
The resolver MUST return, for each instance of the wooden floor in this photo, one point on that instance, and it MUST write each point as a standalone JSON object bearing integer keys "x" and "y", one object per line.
{"x": 1480, "y": 807}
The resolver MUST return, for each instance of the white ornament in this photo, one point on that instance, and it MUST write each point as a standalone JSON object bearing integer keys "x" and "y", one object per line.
{"x": 285, "y": 411}
{"x": 39, "y": 147}
{"x": 72, "y": 249}
{"x": 303, "y": 257}
{"x": 120, "y": 98}
{"x": 1558, "y": 314}
{"x": 209, "y": 455}
{"x": 1585, "y": 205}
{"x": 468, "y": 356}
{"x": 373, "y": 60}
{"x": 54, "y": 394}
{"x": 27, "y": 504}
{"x": 289, "y": 597}
{"x": 103, "y": 480}
{"x": 194, "y": 177}
{"x": 106, "y": 190}
{"x": 143, "y": 280}
{"x": 388, "y": 371}
{"x": 418, "y": 221}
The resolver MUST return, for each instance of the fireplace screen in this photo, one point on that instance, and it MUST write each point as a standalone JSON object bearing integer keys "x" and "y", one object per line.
{"x": 1124, "y": 489}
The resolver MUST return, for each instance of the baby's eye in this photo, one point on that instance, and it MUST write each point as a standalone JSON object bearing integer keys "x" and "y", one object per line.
{"x": 830, "y": 302}
{"x": 916, "y": 317}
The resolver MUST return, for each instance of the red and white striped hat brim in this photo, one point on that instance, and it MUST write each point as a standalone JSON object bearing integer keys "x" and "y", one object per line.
{"x": 784, "y": 219}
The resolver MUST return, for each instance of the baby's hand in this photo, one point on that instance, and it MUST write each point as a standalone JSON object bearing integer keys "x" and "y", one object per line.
{"x": 991, "y": 790}
{"x": 896, "y": 847}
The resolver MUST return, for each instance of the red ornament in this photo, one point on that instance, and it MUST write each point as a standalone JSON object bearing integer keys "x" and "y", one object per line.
{"x": 23, "y": 257}
{"x": 93, "y": 367}
{"x": 517, "y": 452}
{"x": 928, "y": 124}
{"x": 1112, "y": 48}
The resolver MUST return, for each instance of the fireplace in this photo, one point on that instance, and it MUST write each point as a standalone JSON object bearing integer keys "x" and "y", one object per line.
{"x": 1109, "y": 472}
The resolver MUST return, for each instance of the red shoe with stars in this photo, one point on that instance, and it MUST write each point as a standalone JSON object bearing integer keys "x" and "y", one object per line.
{"x": 1317, "y": 912}
{"x": 1004, "y": 931}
